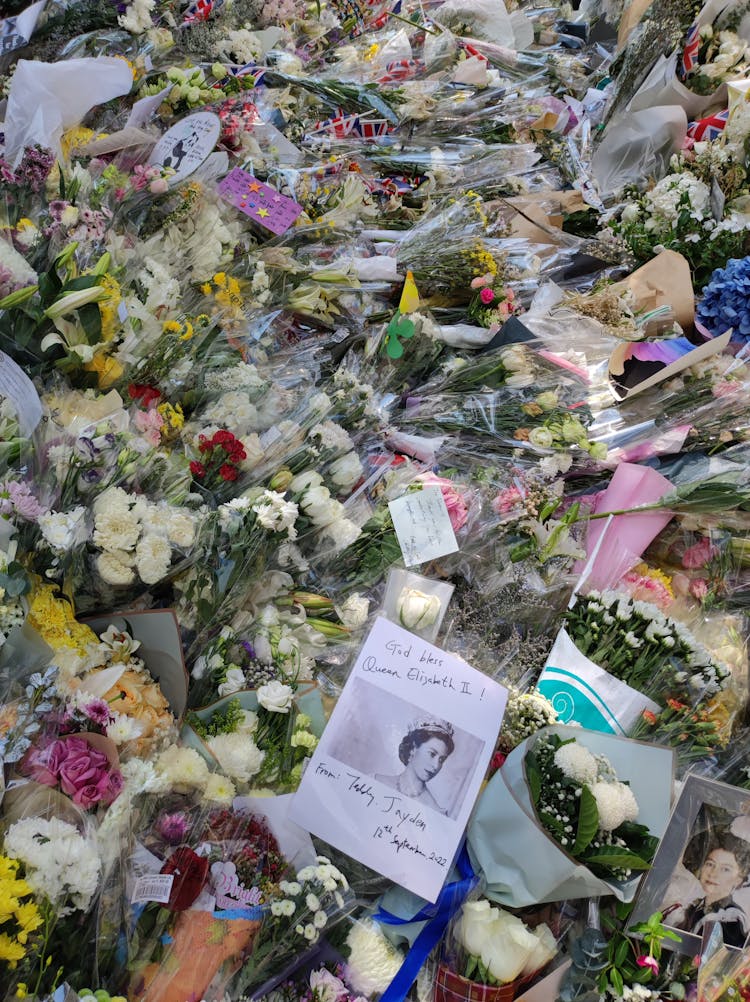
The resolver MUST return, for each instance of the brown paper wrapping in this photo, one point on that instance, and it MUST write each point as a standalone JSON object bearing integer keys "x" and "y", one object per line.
{"x": 665, "y": 280}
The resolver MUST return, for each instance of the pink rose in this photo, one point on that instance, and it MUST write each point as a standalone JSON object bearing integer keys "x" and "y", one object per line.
{"x": 698, "y": 589}
{"x": 486, "y": 295}
{"x": 44, "y": 764}
{"x": 699, "y": 554}
{"x": 83, "y": 768}
{"x": 454, "y": 502}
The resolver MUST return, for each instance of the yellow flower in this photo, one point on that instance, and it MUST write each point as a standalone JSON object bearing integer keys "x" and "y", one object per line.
{"x": 108, "y": 306}
{"x": 187, "y": 332}
{"x": 220, "y": 279}
{"x": 171, "y": 327}
{"x": 8, "y": 867}
{"x": 28, "y": 917}
{"x": 54, "y": 620}
{"x": 657, "y": 575}
{"x": 108, "y": 370}
{"x": 11, "y": 950}
{"x": 207, "y": 289}
{"x": 173, "y": 416}
{"x": 75, "y": 139}
{"x": 22, "y": 990}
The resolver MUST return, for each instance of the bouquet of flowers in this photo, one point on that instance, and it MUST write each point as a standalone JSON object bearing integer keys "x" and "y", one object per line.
{"x": 490, "y": 954}
{"x": 582, "y": 796}
{"x": 620, "y": 662}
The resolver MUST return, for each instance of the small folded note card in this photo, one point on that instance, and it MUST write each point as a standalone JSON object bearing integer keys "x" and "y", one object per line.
{"x": 259, "y": 201}
{"x": 423, "y": 526}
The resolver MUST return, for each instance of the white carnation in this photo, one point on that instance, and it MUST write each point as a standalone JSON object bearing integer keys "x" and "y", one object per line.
{"x": 115, "y": 567}
{"x": 116, "y": 529}
{"x": 152, "y": 558}
{"x": 64, "y": 529}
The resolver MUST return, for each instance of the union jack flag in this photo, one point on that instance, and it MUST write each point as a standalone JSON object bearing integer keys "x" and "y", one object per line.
{"x": 691, "y": 50}
{"x": 370, "y": 128}
{"x": 401, "y": 69}
{"x": 201, "y": 10}
{"x": 710, "y": 128}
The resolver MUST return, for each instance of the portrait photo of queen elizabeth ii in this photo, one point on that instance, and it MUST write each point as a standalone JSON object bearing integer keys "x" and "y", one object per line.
{"x": 700, "y": 879}
{"x": 421, "y": 757}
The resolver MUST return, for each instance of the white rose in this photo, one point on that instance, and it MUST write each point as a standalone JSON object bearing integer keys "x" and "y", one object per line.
{"x": 543, "y": 952}
{"x": 353, "y": 612}
{"x": 416, "y": 610}
{"x": 305, "y": 480}
{"x": 509, "y": 948}
{"x": 475, "y": 926}
{"x": 275, "y": 696}
{"x": 235, "y": 681}
{"x": 346, "y": 471}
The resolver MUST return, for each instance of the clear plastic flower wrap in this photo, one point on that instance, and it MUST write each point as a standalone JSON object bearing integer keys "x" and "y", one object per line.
{"x": 230, "y": 892}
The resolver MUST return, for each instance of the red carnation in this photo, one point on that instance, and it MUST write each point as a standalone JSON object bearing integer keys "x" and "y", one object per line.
{"x": 146, "y": 395}
{"x": 197, "y": 469}
{"x": 189, "y": 871}
{"x": 227, "y": 472}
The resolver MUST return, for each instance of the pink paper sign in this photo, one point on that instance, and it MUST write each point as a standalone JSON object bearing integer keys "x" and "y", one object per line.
{"x": 261, "y": 202}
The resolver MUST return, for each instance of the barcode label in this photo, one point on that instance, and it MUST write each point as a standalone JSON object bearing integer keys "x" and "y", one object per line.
{"x": 153, "y": 887}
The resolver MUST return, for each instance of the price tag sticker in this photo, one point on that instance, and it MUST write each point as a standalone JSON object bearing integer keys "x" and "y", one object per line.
{"x": 153, "y": 887}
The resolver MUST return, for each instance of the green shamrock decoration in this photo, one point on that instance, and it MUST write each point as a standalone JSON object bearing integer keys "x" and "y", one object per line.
{"x": 399, "y": 327}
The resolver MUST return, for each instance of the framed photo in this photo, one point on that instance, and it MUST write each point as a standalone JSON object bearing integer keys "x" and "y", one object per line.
{"x": 700, "y": 878}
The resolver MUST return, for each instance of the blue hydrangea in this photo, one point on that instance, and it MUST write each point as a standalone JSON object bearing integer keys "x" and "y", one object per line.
{"x": 726, "y": 300}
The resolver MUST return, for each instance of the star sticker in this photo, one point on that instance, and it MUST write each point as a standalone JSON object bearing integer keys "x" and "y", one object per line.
{"x": 254, "y": 186}
{"x": 263, "y": 212}
{"x": 277, "y": 198}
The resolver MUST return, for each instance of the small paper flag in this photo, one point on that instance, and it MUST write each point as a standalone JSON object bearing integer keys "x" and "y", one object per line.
{"x": 409, "y": 297}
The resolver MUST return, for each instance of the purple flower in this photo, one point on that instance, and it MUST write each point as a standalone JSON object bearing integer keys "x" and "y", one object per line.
{"x": 98, "y": 711}
{"x": 24, "y": 502}
{"x": 248, "y": 648}
{"x": 173, "y": 828}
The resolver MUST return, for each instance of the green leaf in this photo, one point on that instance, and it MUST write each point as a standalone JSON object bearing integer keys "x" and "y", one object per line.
{"x": 535, "y": 782}
{"x": 91, "y": 320}
{"x": 617, "y": 982}
{"x": 84, "y": 282}
{"x": 621, "y": 953}
{"x": 614, "y": 857}
{"x": 588, "y": 821}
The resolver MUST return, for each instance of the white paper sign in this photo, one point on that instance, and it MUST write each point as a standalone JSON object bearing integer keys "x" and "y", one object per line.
{"x": 18, "y": 388}
{"x": 153, "y": 887}
{"x": 187, "y": 144}
{"x": 423, "y": 526}
{"x": 398, "y": 768}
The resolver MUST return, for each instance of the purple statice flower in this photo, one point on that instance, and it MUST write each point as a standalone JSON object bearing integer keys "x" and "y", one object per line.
{"x": 248, "y": 648}
{"x": 173, "y": 827}
{"x": 98, "y": 712}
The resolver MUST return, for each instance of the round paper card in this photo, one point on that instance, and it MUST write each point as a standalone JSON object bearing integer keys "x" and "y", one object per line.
{"x": 186, "y": 145}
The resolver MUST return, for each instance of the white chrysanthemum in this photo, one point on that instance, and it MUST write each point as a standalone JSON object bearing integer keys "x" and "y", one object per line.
{"x": 342, "y": 532}
{"x": 115, "y": 567}
{"x": 237, "y": 754}
{"x": 616, "y": 804}
{"x": 576, "y": 762}
{"x": 219, "y": 789}
{"x": 373, "y": 960}
{"x": 59, "y": 862}
{"x": 152, "y": 558}
{"x": 123, "y": 729}
{"x": 332, "y": 436}
{"x": 277, "y": 514}
{"x": 183, "y": 767}
{"x": 114, "y": 499}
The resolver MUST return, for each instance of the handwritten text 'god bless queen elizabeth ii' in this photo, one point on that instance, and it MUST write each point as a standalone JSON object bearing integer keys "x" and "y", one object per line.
{"x": 425, "y": 673}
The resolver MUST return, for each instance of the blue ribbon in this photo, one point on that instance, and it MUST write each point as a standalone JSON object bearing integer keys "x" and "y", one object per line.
{"x": 437, "y": 916}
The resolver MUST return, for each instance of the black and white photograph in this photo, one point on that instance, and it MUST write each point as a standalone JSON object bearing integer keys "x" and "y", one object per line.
{"x": 418, "y": 755}
{"x": 701, "y": 872}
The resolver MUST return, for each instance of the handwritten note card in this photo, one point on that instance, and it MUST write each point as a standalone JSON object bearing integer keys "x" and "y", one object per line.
{"x": 423, "y": 526}
{"x": 261, "y": 202}
{"x": 395, "y": 776}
